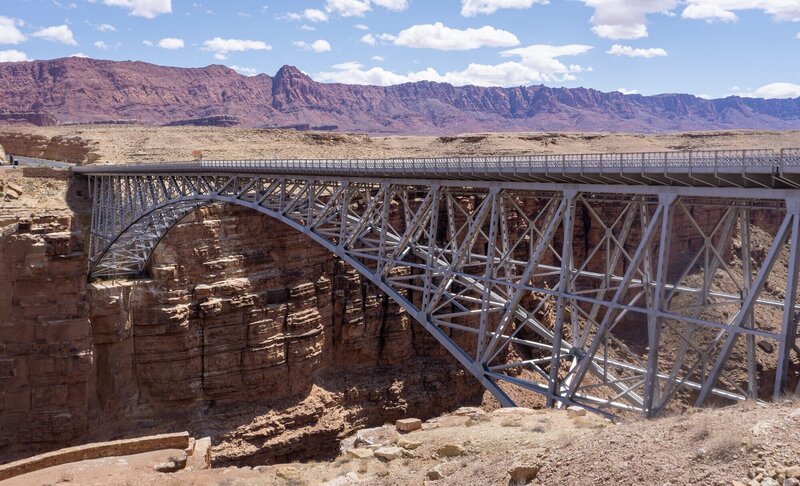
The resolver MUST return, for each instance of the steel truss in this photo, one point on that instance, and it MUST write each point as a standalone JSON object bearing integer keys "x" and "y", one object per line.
{"x": 606, "y": 296}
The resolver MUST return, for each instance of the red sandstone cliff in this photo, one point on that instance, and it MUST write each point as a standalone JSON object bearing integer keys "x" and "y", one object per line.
{"x": 252, "y": 336}
{"x": 86, "y": 90}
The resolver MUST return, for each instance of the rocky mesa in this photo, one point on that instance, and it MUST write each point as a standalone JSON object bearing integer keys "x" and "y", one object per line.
{"x": 82, "y": 90}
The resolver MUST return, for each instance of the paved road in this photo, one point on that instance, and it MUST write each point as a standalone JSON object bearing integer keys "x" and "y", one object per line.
{"x": 34, "y": 162}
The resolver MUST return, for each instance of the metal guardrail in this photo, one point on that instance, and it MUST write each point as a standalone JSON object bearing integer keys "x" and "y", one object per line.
{"x": 759, "y": 161}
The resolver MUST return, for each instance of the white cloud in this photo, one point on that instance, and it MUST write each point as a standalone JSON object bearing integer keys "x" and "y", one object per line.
{"x": 470, "y": 8}
{"x": 724, "y": 10}
{"x": 361, "y": 27}
{"x": 308, "y": 28}
{"x": 319, "y": 45}
{"x": 357, "y": 8}
{"x": 394, "y": 5}
{"x": 222, "y": 47}
{"x": 348, "y": 8}
{"x": 628, "y": 91}
{"x": 101, "y": 45}
{"x": 537, "y": 63}
{"x": 310, "y": 14}
{"x": 106, "y": 28}
{"x": 66, "y": 6}
{"x": 170, "y": 43}
{"x": 369, "y": 39}
{"x": 9, "y": 33}
{"x": 628, "y": 51}
{"x": 438, "y": 36}
{"x": 79, "y": 54}
{"x": 57, "y": 33}
{"x": 773, "y": 90}
{"x": 247, "y": 71}
{"x": 708, "y": 12}
{"x": 625, "y": 19}
{"x": 543, "y": 58}
{"x": 143, "y": 8}
{"x": 147, "y": 43}
{"x": 12, "y": 55}
{"x": 378, "y": 58}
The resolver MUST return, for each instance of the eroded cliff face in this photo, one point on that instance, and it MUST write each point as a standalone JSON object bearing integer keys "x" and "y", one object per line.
{"x": 247, "y": 332}
{"x": 46, "y": 358}
{"x": 243, "y": 310}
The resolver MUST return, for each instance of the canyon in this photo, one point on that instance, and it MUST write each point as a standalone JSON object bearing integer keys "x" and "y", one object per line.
{"x": 82, "y": 90}
{"x": 242, "y": 331}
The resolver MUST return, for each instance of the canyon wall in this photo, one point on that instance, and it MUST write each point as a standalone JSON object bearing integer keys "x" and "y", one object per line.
{"x": 243, "y": 323}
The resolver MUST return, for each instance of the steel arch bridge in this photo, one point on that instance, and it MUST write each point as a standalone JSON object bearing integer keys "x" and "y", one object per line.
{"x": 613, "y": 281}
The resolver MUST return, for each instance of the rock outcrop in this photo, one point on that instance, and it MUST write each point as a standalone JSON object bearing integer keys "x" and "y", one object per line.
{"x": 67, "y": 149}
{"x": 40, "y": 119}
{"x": 81, "y": 90}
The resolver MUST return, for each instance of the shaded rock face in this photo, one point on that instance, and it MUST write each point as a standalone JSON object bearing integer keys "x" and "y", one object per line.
{"x": 74, "y": 150}
{"x": 83, "y": 90}
{"x": 46, "y": 358}
{"x": 246, "y": 332}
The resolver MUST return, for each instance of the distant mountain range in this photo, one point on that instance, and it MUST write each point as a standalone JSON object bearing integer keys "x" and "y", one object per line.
{"x": 81, "y": 90}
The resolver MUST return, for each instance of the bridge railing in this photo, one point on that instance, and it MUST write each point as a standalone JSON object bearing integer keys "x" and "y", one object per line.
{"x": 707, "y": 161}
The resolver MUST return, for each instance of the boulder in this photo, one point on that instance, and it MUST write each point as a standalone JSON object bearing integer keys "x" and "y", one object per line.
{"x": 451, "y": 450}
{"x": 288, "y": 472}
{"x": 573, "y": 411}
{"x": 360, "y": 453}
{"x": 408, "y": 424}
{"x": 389, "y": 453}
{"x": 407, "y": 443}
{"x": 375, "y": 437}
{"x": 435, "y": 473}
{"x": 175, "y": 463}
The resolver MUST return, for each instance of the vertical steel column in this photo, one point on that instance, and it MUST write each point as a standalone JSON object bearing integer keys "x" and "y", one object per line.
{"x": 433, "y": 223}
{"x": 789, "y": 322}
{"x": 654, "y": 320}
{"x": 564, "y": 286}
{"x": 747, "y": 275}
{"x": 489, "y": 273}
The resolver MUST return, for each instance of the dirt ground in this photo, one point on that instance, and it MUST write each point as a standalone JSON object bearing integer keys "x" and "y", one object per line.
{"x": 744, "y": 444}
{"x": 118, "y": 143}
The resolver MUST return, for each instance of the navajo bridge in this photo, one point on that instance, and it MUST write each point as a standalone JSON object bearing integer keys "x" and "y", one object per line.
{"x": 613, "y": 281}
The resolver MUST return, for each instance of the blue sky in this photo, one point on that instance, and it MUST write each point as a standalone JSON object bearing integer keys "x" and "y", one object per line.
{"x": 710, "y": 48}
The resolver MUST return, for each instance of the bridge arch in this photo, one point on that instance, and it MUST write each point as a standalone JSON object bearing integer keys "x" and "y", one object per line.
{"x": 487, "y": 258}
{"x": 112, "y": 260}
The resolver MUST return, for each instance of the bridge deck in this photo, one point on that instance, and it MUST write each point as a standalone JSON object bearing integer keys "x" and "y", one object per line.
{"x": 719, "y": 168}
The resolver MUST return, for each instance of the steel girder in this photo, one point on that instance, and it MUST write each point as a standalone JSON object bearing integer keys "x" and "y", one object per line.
{"x": 614, "y": 298}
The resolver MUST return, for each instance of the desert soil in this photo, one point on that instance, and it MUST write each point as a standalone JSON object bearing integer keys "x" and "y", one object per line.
{"x": 745, "y": 444}
{"x": 117, "y": 144}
